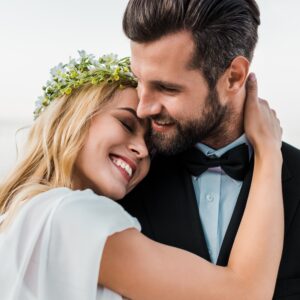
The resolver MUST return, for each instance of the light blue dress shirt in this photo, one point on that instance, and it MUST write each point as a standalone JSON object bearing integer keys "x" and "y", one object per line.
{"x": 216, "y": 195}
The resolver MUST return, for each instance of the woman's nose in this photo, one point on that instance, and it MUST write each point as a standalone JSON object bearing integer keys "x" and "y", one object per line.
{"x": 139, "y": 147}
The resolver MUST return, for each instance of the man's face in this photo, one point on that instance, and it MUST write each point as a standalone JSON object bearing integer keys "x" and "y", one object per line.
{"x": 182, "y": 109}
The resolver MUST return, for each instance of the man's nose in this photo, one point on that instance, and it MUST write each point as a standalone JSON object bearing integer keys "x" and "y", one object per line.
{"x": 149, "y": 105}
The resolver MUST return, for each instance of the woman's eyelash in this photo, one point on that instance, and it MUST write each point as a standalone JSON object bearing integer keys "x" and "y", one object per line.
{"x": 128, "y": 127}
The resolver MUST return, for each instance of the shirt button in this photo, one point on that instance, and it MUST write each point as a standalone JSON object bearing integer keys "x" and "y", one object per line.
{"x": 209, "y": 197}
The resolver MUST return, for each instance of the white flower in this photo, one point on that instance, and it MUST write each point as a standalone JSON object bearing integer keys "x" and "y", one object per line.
{"x": 38, "y": 102}
{"x": 55, "y": 71}
{"x": 72, "y": 62}
{"x": 82, "y": 53}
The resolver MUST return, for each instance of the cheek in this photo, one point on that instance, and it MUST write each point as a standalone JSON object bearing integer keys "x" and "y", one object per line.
{"x": 184, "y": 106}
{"x": 194, "y": 108}
{"x": 145, "y": 168}
{"x": 81, "y": 159}
{"x": 92, "y": 154}
{"x": 87, "y": 153}
{"x": 174, "y": 108}
{"x": 85, "y": 164}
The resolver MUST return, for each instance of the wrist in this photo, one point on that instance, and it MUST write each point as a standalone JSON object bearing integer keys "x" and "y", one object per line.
{"x": 268, "y": 156}
{"x": 268, "y": 149}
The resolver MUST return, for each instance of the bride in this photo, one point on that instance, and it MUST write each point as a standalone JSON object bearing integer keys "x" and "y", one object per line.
{"x": 63, "y": 234}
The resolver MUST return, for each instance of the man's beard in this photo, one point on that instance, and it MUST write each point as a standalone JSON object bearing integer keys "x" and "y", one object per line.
{"x": 188, "y": 133}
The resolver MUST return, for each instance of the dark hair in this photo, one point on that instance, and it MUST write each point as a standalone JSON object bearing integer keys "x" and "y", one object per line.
{"x": 221, "y": 29}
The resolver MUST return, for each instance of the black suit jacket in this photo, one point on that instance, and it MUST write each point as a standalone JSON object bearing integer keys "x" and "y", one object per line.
{"x": 165, "y": 205}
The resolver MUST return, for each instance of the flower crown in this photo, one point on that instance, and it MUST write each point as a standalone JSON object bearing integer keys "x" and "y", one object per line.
{"x": 86, "y": 69}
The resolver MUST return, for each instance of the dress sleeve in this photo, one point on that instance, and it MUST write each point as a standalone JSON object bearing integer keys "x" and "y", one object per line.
{"x": 79, "y": 229}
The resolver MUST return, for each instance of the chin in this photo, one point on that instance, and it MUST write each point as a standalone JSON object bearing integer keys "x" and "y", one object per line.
{"x": 116, "y": 194}
{"x": 117, "y": 197}
{"x": 108, "y": 187}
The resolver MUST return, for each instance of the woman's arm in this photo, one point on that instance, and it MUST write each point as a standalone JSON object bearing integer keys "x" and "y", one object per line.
{"x": 140, "y": 268}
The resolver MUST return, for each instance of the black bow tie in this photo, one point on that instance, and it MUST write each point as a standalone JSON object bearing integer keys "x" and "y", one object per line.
{"x": 235, "y": 162}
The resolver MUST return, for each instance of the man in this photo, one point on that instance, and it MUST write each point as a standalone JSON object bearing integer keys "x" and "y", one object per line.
{"x": 191, "y": 58}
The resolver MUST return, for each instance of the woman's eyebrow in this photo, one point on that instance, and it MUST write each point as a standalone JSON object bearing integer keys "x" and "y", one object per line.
{"x": 129, "y": 109}
{"x": 133, "y": 112}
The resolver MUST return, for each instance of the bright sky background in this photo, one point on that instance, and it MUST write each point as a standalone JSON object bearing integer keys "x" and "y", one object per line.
{"x": 38, "y": 34}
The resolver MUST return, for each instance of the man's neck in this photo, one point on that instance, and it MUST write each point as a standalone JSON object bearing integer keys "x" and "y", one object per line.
{"x": 224, "y": 136}
{"x": 232, "y": 126}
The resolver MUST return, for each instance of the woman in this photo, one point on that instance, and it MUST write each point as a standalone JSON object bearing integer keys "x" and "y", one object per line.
{"x": 63, "y": 238}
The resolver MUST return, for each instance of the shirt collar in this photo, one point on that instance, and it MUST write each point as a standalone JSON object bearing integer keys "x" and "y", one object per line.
{"x": 219, "y": 152}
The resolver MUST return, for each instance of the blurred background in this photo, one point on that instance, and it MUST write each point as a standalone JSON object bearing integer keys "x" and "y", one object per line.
{"x": 38, "y": 34}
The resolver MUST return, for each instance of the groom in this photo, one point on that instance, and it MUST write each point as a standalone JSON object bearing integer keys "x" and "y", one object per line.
{"x": 191, "y": 58}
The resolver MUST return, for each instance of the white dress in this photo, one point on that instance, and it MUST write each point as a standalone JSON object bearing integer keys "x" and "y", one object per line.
{"x": 53, "y": 248}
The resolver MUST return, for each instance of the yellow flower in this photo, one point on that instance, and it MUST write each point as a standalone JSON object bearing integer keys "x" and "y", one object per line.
{"x": 68, "y": 91}
{"x": 73, "y": 74}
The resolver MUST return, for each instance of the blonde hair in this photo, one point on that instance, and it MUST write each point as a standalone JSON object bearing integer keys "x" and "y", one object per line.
{"x": 53, "y": 144}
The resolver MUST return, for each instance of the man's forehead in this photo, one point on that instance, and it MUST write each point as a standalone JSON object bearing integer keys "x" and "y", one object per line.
{"x": 177, "y": 46}
{"x": 159, "y": 61}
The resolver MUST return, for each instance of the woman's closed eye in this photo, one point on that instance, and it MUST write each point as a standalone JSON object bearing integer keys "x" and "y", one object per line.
{"x": 127, "y": 125}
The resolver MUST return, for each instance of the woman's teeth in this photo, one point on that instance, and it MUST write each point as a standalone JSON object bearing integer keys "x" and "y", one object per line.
{"x": 121, "y": 163}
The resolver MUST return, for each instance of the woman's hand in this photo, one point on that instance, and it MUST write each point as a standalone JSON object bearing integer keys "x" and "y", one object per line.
{"x": 261, "y": 124}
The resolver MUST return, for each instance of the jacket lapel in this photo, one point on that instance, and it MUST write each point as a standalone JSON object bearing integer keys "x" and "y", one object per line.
{"x": 195, "y": 217}
{"x": 235, "y": 219}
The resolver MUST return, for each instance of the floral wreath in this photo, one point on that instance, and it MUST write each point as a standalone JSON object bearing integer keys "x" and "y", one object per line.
{"x": 86, "y": 69}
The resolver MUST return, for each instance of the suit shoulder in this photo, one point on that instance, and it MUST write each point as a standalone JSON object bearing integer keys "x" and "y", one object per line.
{"x": 290, "y": 154}
{"x": 291, "y": 160}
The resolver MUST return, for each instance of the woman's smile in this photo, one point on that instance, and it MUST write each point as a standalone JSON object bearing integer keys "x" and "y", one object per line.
{"x": 126, "y": 166}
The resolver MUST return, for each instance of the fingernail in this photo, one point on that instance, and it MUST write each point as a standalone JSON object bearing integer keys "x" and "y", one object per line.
{"x": 252, "y": 77}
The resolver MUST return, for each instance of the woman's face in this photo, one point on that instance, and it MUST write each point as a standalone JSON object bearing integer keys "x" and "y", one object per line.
{"x": 114, "y": 158}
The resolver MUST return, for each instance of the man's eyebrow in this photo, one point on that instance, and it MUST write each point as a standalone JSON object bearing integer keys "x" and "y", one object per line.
{"x": 163, "y": 83}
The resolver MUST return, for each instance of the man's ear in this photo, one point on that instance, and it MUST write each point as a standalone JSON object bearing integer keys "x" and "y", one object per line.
{"x": 236, "y": 74}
